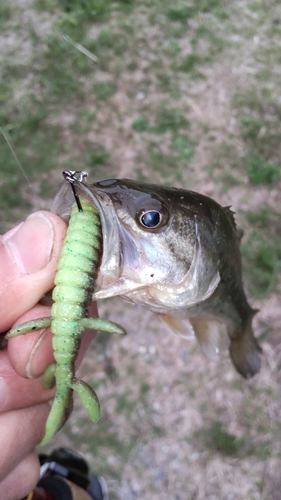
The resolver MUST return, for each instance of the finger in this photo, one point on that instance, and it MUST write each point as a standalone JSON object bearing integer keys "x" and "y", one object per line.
{"x": 32, "y": 353}
{"x": 20, "y": 431}
{"x": 18, "y": 392}
{"x": 28, "y": 256}
{"x": 22, "y": 479}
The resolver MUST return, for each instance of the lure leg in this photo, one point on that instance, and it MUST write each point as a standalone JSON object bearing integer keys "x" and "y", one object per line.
{"x": 63, "y": 403}
{"x": 88, "y": 398}
{"x": 49, "y": 377}
{"x": 102, "y": 325}
{"x": 30, "y": 326}
{"x": 60, "y": 411}
{"x": 87, "y": 395}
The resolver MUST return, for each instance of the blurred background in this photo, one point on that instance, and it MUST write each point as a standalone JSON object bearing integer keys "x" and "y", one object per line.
{"x": 184, "y": 94}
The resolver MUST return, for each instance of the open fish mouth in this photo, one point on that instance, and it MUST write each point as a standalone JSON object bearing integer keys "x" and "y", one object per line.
{"x": 111, "y": 260}
{"x": 135, "y": 258}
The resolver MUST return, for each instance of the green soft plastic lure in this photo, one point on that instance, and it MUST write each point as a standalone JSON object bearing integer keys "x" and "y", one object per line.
{"x": 74, "y": 285}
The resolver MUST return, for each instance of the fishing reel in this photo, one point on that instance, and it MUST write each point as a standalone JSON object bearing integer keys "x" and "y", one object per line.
{"x": 64, "y": 475}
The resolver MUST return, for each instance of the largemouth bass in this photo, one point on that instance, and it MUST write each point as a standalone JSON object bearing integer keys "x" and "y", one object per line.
{"x": 176, "y": 253}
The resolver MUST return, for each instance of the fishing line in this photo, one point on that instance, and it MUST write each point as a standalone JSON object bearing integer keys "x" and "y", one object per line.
{"x": 16, "y": 158}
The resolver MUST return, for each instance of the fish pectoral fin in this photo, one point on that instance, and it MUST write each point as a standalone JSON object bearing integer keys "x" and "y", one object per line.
{"x": 211, "y": 335}
{"x": 178, "y": 325}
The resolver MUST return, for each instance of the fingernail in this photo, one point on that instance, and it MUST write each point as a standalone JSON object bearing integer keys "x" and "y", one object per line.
{"x": 31, "y": 245}
{"x": 3, "y": 392}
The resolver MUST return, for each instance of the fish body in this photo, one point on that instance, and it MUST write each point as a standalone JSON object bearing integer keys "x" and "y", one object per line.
{"x": 176, "y": 253}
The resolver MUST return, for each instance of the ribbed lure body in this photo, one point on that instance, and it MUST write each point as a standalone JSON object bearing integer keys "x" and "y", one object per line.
{"x": 74, "y": 285}
{"x": 75, "y": 278}
{"x": 77, "y": 268}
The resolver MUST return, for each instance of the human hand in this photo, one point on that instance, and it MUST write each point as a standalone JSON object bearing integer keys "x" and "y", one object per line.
{"x": 28, "y": 257}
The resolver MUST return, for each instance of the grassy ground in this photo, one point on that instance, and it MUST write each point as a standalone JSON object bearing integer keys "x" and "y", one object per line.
{"x": 184, "y": 95}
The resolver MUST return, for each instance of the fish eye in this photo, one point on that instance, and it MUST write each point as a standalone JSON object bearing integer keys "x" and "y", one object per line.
{"x": 151, "y": 219}
{"x": 152, "y": 215}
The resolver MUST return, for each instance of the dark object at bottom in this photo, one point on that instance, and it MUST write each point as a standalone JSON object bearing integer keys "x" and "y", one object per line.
{"x": 65, "y": 476}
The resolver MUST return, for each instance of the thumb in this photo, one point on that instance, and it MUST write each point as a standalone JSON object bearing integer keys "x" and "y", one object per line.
{"x": 28, "y": 257}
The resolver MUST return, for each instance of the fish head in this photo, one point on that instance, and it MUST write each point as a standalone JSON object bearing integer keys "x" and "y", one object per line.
{"x": 157, "y": 250}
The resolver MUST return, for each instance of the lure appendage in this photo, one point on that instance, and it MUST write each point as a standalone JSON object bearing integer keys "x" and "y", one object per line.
{"x": 74, "y": 285}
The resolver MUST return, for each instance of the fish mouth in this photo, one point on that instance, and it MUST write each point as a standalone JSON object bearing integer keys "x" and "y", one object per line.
{"x": 110, "y": 267}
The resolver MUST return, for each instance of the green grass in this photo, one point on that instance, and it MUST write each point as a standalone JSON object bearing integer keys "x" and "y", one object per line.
{"x": 103, "y": 440}
{"x": 162, "y": 163}
{"x": 96, "y": 156}
{"x": 262, "y": 264}
{"x": 218, "y": 439}
{"x": 111, "y": 42}
{"x": 140, "y": 124}
{"x": 261, "y": 171}
{"x": 125, "y": 404}
{"x": 216, "y": 44}
{"x": 62, "y": 64}
{"x": 88, "y": 115}
{"x": 253, "y": 415}
{"x": 190, "y": 62}
{"x": 218, "y": 8}
{"x": 259, "y": 165}
{"x": 181, "y": 14}
{"x": 226, "y": 165}
{"x": 261, "y": 250}
{"x": 169, "y": 119}
{"x": 165, "y": 80}
{"x": 266, "y": 218}
{"x": 183, "y": 148}
{"x": 104, "y": 90}
{"x": 78, "y": 12}
{"x": 260, "y": 126}
{"x": 5, "y": 11}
